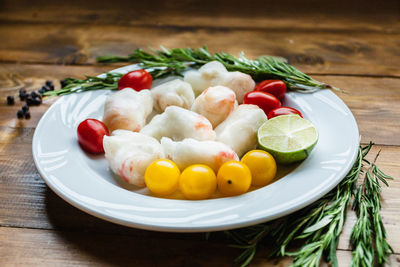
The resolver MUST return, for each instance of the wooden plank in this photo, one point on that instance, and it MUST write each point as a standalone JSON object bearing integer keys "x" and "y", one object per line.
{"x": 375, "y": 102}
{"x": 324, "y": 52}
{"x": 58, "y": 248}
{"x": 288, "y": 15}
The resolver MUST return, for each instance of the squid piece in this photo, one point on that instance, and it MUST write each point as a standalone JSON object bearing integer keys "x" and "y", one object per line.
{"x": 239, "y": 130}
{"x": 178, "y": 123}
{"x": 214, "y": 73}
{"x": 215, "y": 103}
{"x": 173, "y": 93}
{"x": 190, "y": 151}
{"x": 129, "y": 153}
{"x": 127, "y": 109}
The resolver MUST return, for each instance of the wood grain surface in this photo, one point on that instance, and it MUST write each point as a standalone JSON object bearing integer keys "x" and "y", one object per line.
{"x": 353, "y": 45}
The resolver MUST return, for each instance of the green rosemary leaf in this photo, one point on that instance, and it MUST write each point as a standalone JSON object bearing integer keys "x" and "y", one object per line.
{"x": 176, "y": 61}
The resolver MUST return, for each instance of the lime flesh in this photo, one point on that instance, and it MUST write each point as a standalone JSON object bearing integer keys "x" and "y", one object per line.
{"x": 289, "y": 138}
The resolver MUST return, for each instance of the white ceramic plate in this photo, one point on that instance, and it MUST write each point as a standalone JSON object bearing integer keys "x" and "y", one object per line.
{"x": 86, "y": 182}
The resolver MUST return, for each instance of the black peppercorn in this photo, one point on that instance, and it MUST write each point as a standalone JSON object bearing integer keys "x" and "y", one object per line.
{"x": 63, "y": 83}
{"x": 22, "y": 94}
{"x": 37, "y": 101}
{"x": 35, "y": 94}
{"x": 29, "y": 100}
{"x": 10, "y": 100}
{"x": 49, "y": 83}
{"x": 25, "y": 108}
{"x": 20, "y": 114}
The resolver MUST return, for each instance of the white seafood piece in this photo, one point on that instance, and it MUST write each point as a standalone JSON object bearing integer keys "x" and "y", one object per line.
{"x": 172, "y": 93}
{"x": 239, "y": 130}
{"x": 127, "y": 109}
{"x": 215, "y": 103}
{"x": 129, "y": 153}
{"x": 190, "y": 151}
{"x": 178, "y": 123}
{"x": 214, "y": 73}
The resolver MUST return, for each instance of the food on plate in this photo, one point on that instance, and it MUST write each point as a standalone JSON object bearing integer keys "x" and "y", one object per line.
{"x": 274, "y": 87}
{"x": 215, "y": 103}
{"x": 283, "y": 111}
{"x": 172, "y": 93}
{"x": 162, "y": 177}
{"x": 198, "y": 182}
{"x": 129, "y": 153}
{"x": 179, "y": 133}
{"x": 233, "y": 178}
{"x": 214, "y": 73}
{"x": 239, "y": 130}
{"x": 263, "y": 100}
{"x": 137, "y": 80}
{"x": 289, "y": 138}
{"x": 190, "y": 151}
{"x": 262, "y": 166}
{"x": 178, "y": 123}
{"x": 127, "y": 109}
{"x": 90, "y": 135}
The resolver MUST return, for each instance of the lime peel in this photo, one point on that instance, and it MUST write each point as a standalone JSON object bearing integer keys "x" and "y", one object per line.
{"x": 289, "y": 138}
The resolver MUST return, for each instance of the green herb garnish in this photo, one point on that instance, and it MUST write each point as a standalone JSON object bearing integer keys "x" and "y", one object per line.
{"x": 163, "y": 62}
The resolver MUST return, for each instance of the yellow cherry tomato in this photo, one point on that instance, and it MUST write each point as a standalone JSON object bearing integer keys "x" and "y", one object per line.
{"x": 162, "y": 177}
{"x": 262, "y": 166}
{"x": 234, "y": 178}
{"x": 198, "y": 182}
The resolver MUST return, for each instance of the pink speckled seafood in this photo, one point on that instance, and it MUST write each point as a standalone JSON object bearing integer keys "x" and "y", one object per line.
{"x": 178, "y": 123}
{"x": 127, "y": 109}
{"x": 129, "y": 153}
{"x": 172, "y": 93}
{"x": 190, "y": 151}
{"x": 239, "y": 130}
{"x": 214, "y": 73}
{"x": 215, "y": 103}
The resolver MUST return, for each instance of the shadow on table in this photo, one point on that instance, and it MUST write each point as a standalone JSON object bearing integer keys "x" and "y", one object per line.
{"x": 87, "y": 237}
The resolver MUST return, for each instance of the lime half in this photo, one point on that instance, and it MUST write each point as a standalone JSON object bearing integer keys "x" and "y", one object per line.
{"x": 289, "y": 138}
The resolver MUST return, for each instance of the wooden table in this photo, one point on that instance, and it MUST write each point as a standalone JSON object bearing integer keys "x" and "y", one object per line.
{"x": 353, "y": 46}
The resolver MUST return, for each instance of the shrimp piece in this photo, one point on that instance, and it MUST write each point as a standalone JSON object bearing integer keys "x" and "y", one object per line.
{"x": 239, "y": 130}
{"x": 172, "y": 93}
{"x": 215, "y": 103}
{"x": 178, "y": 123}
{"x": 127, "y": 109}
{"x": 214, "y": 73}
{"x": 190, "y": 151}
{"x": 129, "y": 153}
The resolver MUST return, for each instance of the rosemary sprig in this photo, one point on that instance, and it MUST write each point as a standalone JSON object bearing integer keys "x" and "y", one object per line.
{"x": 368, "y": 237}
{"x": 317, "y": 226}
{"x": 110, "y": 81}
{"x": 163, "y": 62}
{"x": 177, "y": 60}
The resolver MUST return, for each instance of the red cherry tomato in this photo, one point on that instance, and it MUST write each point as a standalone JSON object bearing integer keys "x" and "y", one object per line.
{"x": 283, "y": 111}
{"x": 263, "y": 100}
{"x": 274, "y": 87}
{"x": 137, "y": 80}
{"x": 90, "y": 135}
